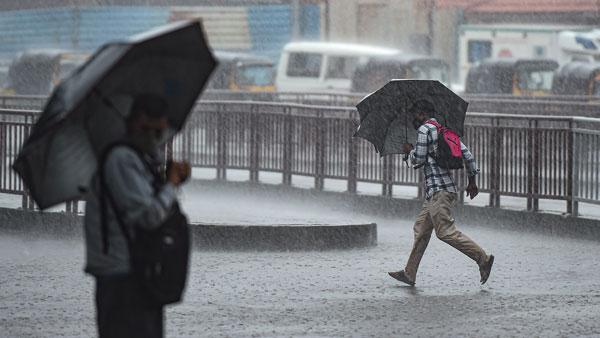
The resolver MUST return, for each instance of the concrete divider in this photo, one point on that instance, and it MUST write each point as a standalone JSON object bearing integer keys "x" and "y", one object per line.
{"x": 284, "y": 237}
{"x": 261, "y": 237}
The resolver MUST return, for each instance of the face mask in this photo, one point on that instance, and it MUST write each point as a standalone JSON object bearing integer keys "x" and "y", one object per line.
{"x": 145, "y": 143}
{"x": 416, "y": 122}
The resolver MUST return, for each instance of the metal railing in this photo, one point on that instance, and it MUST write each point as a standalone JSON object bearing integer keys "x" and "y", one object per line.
{"x": 534, "y": 157}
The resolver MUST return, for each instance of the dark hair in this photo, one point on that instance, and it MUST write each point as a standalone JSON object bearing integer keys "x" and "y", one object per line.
{"x": 151, "y": 105}
{"x": 422, "y": 106}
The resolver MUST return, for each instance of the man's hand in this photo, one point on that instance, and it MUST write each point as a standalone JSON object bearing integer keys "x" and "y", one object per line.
{"x": 407, "y": 147}
{"x": 178, "y": 172}
{"x": 472, "y": 189}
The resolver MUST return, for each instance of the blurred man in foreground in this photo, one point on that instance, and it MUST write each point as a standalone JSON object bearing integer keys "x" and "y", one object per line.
{"x": 128, "y": 192}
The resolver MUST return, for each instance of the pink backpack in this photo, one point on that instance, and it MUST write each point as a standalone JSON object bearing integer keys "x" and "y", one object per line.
{"x": 449, "y": 152}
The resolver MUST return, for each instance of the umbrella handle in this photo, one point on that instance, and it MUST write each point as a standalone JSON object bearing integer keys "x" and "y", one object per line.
{"x": 405, "y": 159}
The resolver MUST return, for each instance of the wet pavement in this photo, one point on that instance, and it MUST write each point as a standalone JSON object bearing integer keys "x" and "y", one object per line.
{"x": 540, "y": 286}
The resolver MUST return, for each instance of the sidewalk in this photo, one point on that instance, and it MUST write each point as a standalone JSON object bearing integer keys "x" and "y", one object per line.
{"x": 206, "y": 205}
{"x": 586, "y": 210}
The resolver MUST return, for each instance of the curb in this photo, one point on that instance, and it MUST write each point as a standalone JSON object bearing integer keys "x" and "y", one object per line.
{"x": 37, "y": 224}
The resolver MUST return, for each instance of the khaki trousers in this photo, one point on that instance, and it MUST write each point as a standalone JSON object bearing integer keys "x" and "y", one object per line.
{"x": 435, "y": 214}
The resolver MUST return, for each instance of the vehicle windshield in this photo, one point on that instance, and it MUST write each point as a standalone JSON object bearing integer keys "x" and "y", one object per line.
{"x": 429, "y": 72}
{"x": 254, "y": 75}
{"x": 535, "y": 79}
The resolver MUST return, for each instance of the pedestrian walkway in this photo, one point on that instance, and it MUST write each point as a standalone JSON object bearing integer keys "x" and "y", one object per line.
{"x": 586, "y": 210}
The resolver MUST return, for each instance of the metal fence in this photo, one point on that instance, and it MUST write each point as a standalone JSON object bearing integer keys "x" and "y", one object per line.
{"x": 534, "y": 157}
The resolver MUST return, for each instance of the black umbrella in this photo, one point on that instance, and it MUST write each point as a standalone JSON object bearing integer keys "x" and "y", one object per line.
{"x": 86, "y": 111}
{"x": 385, "y": 121}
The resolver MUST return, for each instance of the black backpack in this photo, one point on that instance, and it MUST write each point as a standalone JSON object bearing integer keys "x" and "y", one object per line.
{"x": 159, "y": 258}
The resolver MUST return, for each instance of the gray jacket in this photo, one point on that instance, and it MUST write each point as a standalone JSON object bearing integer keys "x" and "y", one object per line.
{"x": 129, "y": 182}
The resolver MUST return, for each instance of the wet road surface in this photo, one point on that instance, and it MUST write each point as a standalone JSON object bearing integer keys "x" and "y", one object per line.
{"x": 540, "y": 287}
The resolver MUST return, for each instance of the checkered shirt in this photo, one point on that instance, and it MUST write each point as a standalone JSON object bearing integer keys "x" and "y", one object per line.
{"x": 437, "y": 178}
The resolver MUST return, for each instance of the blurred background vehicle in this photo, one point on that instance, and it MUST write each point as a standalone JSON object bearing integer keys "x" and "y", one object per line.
{"x": 511, "y": 76}
{"x": 37, "y": 72}
{"x": 577, "y": 78}
{"x": 318, "y": 66}
{"x": 562, "y": 43}
{"x": 374, "y": 72}
{"x": 242, "y": 71}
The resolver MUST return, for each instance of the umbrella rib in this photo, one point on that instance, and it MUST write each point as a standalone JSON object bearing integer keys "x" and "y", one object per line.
{"x": 108, "y": 103}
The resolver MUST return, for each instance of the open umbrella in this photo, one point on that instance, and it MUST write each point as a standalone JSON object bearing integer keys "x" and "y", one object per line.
{"x": 87, "y": 111}
{"x": 384, "y": 117}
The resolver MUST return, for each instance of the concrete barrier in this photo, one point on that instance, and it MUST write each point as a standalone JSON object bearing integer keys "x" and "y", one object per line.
{"x": 284, "y": 237}
{"x": 260, "y": 237}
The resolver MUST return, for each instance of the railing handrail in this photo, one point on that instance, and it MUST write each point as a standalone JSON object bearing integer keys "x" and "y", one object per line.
{"x": 20, "y": 112}
{"x": 321, "y": 108}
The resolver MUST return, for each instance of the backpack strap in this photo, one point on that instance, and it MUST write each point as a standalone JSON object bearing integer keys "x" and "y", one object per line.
{"x": 439, "y": 129}
{"x": 435, "y": 124}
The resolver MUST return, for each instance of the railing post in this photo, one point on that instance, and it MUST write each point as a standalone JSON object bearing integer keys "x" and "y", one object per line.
{"x": 221, "y": 143}
{"x": 536, "y": 165}
{"x": 499, "y": 160}
{"x": 320, "y": 152}
{"x": 573, "y": 150}
{"x": 352, "y": 158}
{"x": 530, "y": 156}
{"x": 287, "y": 146}
{"x": 386, "y": 175}
{"x": 254, "y": 143}
{"x": 490, "y": 162}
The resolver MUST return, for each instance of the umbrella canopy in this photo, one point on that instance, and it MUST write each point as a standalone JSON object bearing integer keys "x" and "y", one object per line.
{"x": 87, "y": 111}
{"x": 386, "y": 122}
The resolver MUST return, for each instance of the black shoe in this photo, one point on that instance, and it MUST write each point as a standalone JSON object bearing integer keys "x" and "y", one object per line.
{"x": 401, "y": 276}
{"x": 486, "y": 269}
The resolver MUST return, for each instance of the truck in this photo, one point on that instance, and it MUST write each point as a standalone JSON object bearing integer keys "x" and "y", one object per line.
{"x": 556, "y": 42}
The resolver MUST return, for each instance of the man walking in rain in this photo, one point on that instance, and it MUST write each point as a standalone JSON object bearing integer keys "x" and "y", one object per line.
{"x": 440, "y": 193}
{"x": 124, "y": 309}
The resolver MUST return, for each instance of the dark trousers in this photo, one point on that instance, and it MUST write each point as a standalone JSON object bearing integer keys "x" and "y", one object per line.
{"x": 125, "y": 310}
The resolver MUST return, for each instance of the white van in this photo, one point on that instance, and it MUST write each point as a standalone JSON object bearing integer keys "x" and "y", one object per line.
{"x": 319, "y": 66}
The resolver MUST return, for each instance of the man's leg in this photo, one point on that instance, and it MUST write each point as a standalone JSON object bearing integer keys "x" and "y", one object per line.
{"x": 422, "y": 229}
{"x": 124, "y": 310}
{"x": 439, "y": 210}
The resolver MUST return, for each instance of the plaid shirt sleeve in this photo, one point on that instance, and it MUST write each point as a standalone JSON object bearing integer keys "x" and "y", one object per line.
{"x": 470, "y": 165}
{"x": 418, "y": 156}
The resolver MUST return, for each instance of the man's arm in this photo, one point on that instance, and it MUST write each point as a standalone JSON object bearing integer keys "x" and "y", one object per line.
{"x": 469, "y": 160}
{"x": 125, "y": 176}
{"x": 418, "y": 156}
